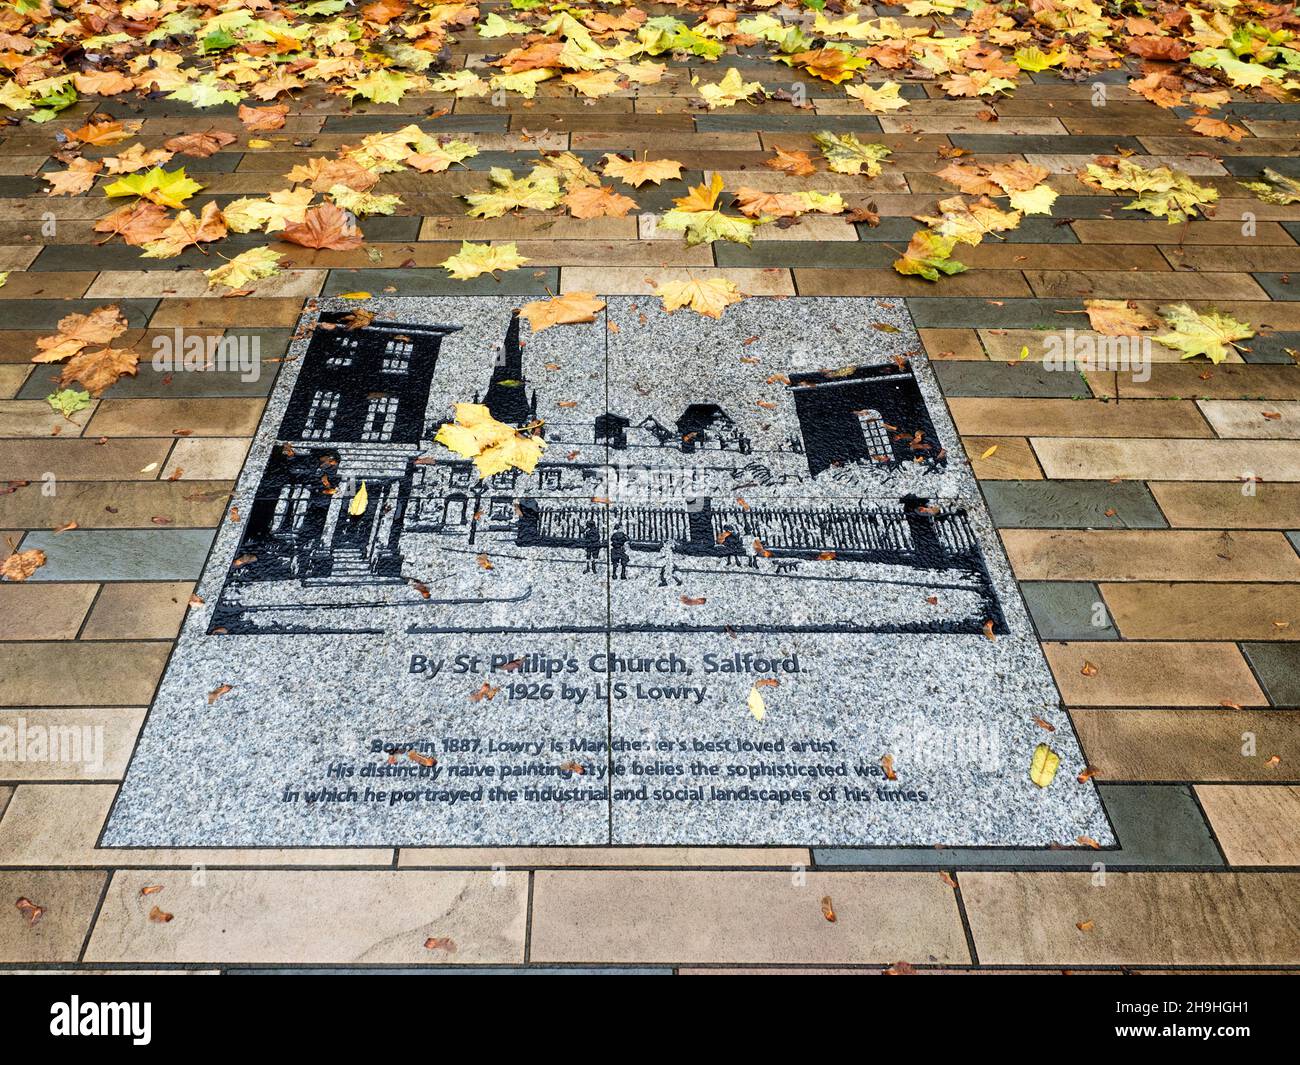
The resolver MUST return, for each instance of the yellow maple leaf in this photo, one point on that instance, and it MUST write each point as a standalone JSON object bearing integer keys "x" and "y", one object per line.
{"x": 709, "y": 298}
{"x": 730, "y": 90}
{"x": 885, "y": 98}
{"x": 475, "y": 259}
{"x": 494, "y": 446}
{"x": 636, "y": 172}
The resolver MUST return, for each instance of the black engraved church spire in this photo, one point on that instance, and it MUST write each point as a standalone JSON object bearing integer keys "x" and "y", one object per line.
{"x": 507, "y": 394}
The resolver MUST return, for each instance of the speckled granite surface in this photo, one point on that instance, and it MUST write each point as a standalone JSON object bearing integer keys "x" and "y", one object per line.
{"x": 577, "y": 657}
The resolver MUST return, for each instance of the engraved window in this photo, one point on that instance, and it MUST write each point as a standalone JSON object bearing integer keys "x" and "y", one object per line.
{"x": 343, "y": 353}
{"x": 397, "y": 355}
{"x": 381, "y": 418}
{"x": 876, "y": 436}
{"x": 291, "y": 507}
{"x": 320, "y": 416}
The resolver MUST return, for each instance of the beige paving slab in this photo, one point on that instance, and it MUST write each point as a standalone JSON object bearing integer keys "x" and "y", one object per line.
{"x": 634, "y": 281}
{"x": 1204, "y": 743}
{"x": 1068, "y": 417}
{"x": 117, "y": 505}
{"x": 35, "y": 417}
{"x": 192, "y": 284}
{"x": 960, "y": 344}
{"x": 12, "y": 379}
{"x": 82, "y": 460}
{"x": 1229, "y": 380}
{"x": 204, "y": 459}
{"x": 1037, "y": 345}
{"x": 6, "y": 793}
{"x": 80, "y": 674}
{"x": 172, "y": 417}
{"x": 138, "y": 611}
{"x": 1168, "y": 460}
{"x": 1180, "y": 285}
{"x": 1183, "y": 611}
{"x": 1255, "y": 825}
{"x": 1204, "y": 505}
{"x": 743, "y": 918}
{"x": 43, "y": 611}
{"x": 322, "y": 917}
{"x": 1153, "y": 674}
{"x": 1161, "y": 918}
{"x": 1253, "y": 419}
{"x": 68, "y": 743}
{"x": 68, "y": 899}
{"x": 539, "y": 227}
{"x": 1150, "y": 555}
{"x": 1193, "y": 165}
{"x": 615, "y": 857}
{"x": 1002, "y": 458}
{"x": 59, "y": 824}
{"x": 16, "y": 256}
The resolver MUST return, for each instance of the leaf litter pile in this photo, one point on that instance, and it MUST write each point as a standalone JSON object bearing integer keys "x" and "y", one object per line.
{"x": 267, "y": 58}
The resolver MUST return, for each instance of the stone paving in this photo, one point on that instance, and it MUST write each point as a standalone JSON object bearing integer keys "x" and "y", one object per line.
{"x": 1172, "y": 501}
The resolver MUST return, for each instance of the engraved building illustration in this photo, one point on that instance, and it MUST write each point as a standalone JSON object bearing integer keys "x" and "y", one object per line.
{"x": 664, "y": 508}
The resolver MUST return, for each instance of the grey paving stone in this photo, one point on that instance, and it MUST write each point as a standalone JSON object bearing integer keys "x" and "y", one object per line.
{"x": 1064, "y": 610}
{"x": 1108, "y": 77}
{"x": 1025, "y": 380}
{"x": 1294, "y": 537}
{"x": 136, "y": 107}
{"x": 1044, "y": 144}
{"x": 930, "y": 312}
{"x": 1279, "y": 286}
{"x": 16, "y": 187}
{"x": 898, "y": 231}
{"x": 1272, "y": 348}
{"x": 1277, "y": 665}
{"x": 266, "y": 347}
{"x": 217, "y": 163}
{"x": 1072, "y": 505}
{"x": 46, "y": 314}
{"x": 121, "y": 554}
{"x": 1248, "y": 109}
{"x": 1158, "y": 825}
{"x": 786, "y": 123}
{"x": 421, "y": 281}
{"x": 658, "y": 197}
{"x": 1249, "y": 166}
{"x": 854, "y": 255}
{"x": 386, "y": 123}
{"x": 461, "y": 970}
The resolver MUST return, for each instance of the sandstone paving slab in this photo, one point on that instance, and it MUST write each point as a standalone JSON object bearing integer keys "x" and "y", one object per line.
{"x": 743, "y": 918}
{"x": 357, "y": 917}
{"x": 1138, "y": 918}
{"x": 69, "y": 899}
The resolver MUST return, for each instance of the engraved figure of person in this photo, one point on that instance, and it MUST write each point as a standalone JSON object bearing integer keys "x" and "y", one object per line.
{"x": 618, "y": 557}
{"x": 667, "y": 565}
{"x": 591, "y": 546}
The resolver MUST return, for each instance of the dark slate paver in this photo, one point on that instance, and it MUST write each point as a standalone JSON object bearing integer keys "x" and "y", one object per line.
{"x": 1158, "y": 825}
{"x": 1066, "y": 610}
{"x": 1277, "y": 665}
{"x": 121, "y": 554}
{"x": 1072, "y": 505}
{"x": 997, "y": 379}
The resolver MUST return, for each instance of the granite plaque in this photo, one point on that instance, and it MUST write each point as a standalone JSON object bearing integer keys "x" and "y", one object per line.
{"x": 750, "y": 595}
